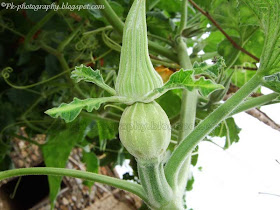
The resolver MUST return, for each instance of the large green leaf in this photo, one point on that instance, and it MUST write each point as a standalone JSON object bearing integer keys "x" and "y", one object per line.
{"x": 92, "y": 164}
{"x": 241, "y": 77}
{"x": 272, "y": 82}
{"x": 171, "y": 109}
{"x": 240, "y": 33}
{"x": 223, "y": 14}
{"x": 87, "y": 74}
{"x": 56, "y": 151}
{"x": 268, "y": 14}
{"x": 212, "y": 41}
{"x": 70, "y": 111}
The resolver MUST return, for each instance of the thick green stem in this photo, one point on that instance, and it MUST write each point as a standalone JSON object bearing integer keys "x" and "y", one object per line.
{"x": 206, "y": 126}
{"x": 118, "y": 25}
{"x": 153, "y": 180}
{"x": 188, "y": 110}
{"x": 111, "y": 16}
{"x": 255, "y": 102}
{"x": 184, "y": 14}
{"x": 121, "y": 184}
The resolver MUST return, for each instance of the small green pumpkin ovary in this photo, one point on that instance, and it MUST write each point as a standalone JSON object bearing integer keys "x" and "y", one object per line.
{"x": 145, "y": 130}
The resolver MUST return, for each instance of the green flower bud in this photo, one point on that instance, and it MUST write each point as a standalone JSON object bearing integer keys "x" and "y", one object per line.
{"x": 136, "y": 75}
{"x": 145, "y": 130}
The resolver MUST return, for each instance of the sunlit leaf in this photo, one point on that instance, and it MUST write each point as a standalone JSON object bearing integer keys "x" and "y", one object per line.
{"x": 210, "y": 70}
{"x": 185, "y": 79}
{"x": 70, "y": 111}
{"x": 87, "y": 74}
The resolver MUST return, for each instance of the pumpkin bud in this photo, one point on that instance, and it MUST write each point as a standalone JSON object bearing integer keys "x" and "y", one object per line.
{"x": 136, "y": 75}
{"x": 145, "y": 130}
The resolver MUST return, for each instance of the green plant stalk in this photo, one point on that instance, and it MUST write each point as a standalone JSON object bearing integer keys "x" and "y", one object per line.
{"x": 255, "y": 102}
{"x": 189, "y": 98}
{"x": 98, "y": 117}
{"x": 188, "y": 110}
{"x": 49, "y": 49}
{"x": 246, "y": 105}
{"x": 118, "y": 25}
{"x": 93, "y": 32}
{"x": 185, "y": 148}
{"x": 153, "y": 180}
{"x": 111, "y": 16}
{"x": 160, "y": 39}
{"x": 121, "y": 184}
{"x": 164, "y": 63}
{"x": 184, "y": 15}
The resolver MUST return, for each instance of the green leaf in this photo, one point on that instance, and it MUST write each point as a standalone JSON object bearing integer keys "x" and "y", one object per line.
{"x": 87, "y": 74}
{"x": 204, "y": 4}
{"x": 209, "y": 70}
{"x": 170, "y": 5}
{"x": 171, "y": 109}
{"x": 211, "y": 42}
{"x": 70, "y": 111}
{"x": 272, "y": 82}
{"x": 229, "y": 130}
{"x": 223, "y": 14}
{"x": 92, "y": 164}
{"x": 226, "y": 50}
{"x": 106, "y": 131}
{"x": 6, "y": 163}
{"x": 185, "y": 79}
{"x": 190, "y": 183}
{"x": 58, "y": 147}
{"x": 268, "y": 15}
{"x": 195, "y": 156}
{"x": 241, "y": 77}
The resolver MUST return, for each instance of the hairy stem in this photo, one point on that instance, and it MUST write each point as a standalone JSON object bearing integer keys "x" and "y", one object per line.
{"x": 121, "y": 184}
{"x": 151, "y": 174}
{"x": 185, "y": 148}
{"x": 188, "y": 110}
{"x": 255, "y": 102}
